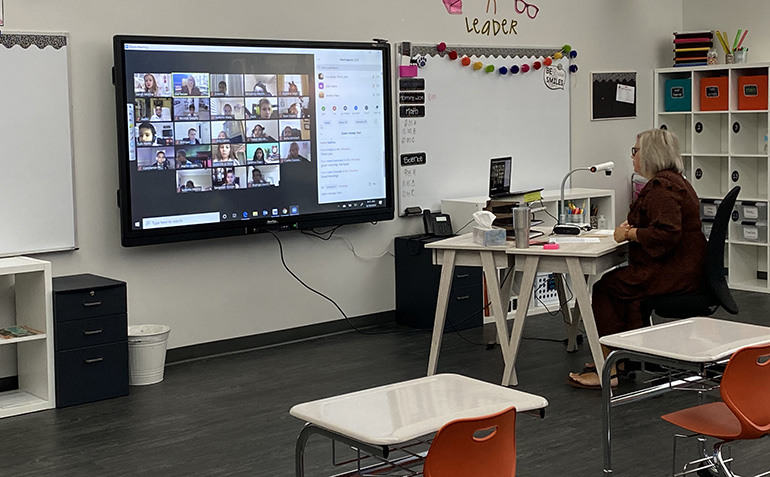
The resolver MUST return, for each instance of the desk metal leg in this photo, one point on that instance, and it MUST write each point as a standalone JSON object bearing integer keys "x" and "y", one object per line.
{"x": 579, "y": 282}
{"x": 606, "y": 376}
{"x": 499, "y": 308}
{"x": 525, "y": 295}
{"x": 444, "y": 289}
{"x": 310, "y": 429}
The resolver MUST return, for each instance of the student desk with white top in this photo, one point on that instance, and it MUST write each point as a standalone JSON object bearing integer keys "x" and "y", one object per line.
{"x": 373, "y": 420}
{"x": 690, "y": 344}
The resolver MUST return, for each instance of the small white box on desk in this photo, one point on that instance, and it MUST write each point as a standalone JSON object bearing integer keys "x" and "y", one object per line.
{"x": 488, "y": 237}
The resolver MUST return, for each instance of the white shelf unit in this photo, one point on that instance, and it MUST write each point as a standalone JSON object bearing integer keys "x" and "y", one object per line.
{"x": 722, "y": 149}
{"x": 33, "y": 307}
{"x": 461, "y": 213}
{"x": 461, "y": 210}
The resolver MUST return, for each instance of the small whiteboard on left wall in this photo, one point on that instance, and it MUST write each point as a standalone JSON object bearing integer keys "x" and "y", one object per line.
{"x": 37, "y": 206}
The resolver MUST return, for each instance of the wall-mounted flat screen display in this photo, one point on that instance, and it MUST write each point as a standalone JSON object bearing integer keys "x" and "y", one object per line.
{"x": 228, "y": 137}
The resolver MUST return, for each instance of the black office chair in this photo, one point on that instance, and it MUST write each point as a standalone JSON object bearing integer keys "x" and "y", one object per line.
{"x": 718, "y": 294}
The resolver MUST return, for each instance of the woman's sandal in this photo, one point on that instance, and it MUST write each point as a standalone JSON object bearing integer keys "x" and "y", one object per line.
{"x": 577, "y": 384}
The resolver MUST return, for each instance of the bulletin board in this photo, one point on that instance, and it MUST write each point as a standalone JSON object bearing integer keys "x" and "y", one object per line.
{"x": 613, "y": 95}
{"x": 453, "y": 119}
{"x": 37, "y": 207}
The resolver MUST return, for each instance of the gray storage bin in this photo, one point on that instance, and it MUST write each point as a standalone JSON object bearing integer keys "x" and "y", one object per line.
{"x": 708, "y": 208}
{"x": 754, "y": 231}
{"x": 752, "y": 211}
{"x": 706, "y": 225}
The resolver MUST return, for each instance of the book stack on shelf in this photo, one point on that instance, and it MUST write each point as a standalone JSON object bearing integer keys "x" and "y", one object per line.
{"x": 690, "y": 48}
{"x": 16, "y": 333}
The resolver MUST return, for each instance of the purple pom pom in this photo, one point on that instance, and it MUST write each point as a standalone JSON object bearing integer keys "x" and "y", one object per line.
{"x": 573, "y": 68}
{"x": 514, "y": 69}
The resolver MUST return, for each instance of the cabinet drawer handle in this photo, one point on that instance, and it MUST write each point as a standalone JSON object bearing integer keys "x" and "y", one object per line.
{"x": 93, "y": 360}
{"x": 463, "y": 297}
{"x": 93, "y": 303}
{"x": 92, "y": 332}
{"x": 462, "y": 275}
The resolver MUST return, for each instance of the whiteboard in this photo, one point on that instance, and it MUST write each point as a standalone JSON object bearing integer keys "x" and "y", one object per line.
{"x": 472, "y": 116}
{"x": 37, "y": 210}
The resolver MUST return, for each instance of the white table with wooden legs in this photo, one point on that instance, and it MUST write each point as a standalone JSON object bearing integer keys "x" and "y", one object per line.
{"x": 462, "y": 251}
{"x": 580, "y": 262}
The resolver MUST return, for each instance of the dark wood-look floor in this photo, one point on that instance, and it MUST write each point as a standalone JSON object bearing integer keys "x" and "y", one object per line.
{"x": 228, "y": 415}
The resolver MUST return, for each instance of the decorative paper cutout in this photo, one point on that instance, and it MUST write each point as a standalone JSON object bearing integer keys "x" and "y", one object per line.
{"x": 454, "y": 7}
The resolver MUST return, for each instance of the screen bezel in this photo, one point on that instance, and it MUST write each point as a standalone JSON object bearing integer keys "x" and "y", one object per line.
{"x": 133, "y": 237}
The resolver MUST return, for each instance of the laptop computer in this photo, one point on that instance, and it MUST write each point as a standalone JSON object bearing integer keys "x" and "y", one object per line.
{"x": 500, "y": 179}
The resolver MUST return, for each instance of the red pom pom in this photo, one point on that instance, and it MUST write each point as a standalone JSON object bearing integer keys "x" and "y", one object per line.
{"x": 536, "y": 65}
{"x": 524, "y": 68}
{"x": 441, "y": 47}
{"x": 466, "y": 61}
{"x": 547, "y": 61}
{"x": 453, "y": 55}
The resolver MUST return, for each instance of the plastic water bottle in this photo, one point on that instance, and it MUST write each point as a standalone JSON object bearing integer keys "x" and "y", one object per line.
{"x": 601, "y": 223}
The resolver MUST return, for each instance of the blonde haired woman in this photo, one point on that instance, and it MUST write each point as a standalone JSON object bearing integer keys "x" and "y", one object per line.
{"x": 666, "y": 252}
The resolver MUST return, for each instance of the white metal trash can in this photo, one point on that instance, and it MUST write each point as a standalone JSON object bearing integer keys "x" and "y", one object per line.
{"x": 146, "y": 353}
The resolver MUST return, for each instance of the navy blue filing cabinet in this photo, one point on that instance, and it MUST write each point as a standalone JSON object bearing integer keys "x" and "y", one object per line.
{"x": 417, "y": 281}
{"x": 90, "y": 339}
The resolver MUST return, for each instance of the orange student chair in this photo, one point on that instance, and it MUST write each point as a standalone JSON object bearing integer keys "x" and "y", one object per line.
{"x": 743, "y": 413}
{"x": 474, "y": 446}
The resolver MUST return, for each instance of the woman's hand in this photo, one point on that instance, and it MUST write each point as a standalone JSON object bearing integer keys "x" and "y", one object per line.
{"x": 621, "y": 231}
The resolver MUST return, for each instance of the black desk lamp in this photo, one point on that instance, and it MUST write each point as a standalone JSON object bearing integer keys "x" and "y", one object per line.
{"x": 571, "y": 229}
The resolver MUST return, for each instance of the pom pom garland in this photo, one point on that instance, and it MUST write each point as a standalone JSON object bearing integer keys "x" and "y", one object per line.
{"x": 566, "y": 52}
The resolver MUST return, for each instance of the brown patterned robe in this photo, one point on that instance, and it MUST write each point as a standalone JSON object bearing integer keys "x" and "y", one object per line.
{"x": 668, "y": 259}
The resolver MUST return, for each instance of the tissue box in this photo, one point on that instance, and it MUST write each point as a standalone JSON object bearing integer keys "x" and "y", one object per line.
{"x": 488, "y": 237}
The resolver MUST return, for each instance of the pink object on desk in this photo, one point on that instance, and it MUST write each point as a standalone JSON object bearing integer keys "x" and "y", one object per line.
{"x": 407, "y": 71}
{"x": 551, "y": 246}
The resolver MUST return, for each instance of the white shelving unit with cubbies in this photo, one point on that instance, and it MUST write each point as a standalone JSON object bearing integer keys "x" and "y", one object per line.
{"x": 30, "y": 280}
{"x": 720, "y": 116}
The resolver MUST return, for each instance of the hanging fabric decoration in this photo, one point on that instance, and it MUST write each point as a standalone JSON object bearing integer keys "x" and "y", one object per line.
{"x": 540, "y": 59}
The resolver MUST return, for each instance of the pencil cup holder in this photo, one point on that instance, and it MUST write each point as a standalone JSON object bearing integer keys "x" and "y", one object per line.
{"x": 729, "y": 59}
{"x": 741, "y": 56}
{"x": 576, "y": 218}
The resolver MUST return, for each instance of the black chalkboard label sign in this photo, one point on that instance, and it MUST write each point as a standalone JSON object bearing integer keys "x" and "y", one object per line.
{"x": 413, "y": 159}
{"x": 411, "y": 98}
{"x": 411, "y": 112}
{"x": 411, "y": 84}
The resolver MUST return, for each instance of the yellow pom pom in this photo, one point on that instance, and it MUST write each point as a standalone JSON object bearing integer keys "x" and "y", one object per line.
{"x": 557, "y": 56}
{"x": 477, "y": 65}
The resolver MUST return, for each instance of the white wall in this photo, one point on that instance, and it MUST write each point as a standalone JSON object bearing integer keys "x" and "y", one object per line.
{"x": 225, "y": 288}
{"x": 729, "y": 17}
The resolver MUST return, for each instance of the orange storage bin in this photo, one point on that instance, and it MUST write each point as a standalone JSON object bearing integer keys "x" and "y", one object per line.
{"x": 752, "y": 92}
{"x": 713, "y": 94}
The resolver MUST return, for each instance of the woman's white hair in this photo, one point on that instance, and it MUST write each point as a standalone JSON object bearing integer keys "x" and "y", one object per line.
{"x": 659, "y": 151}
